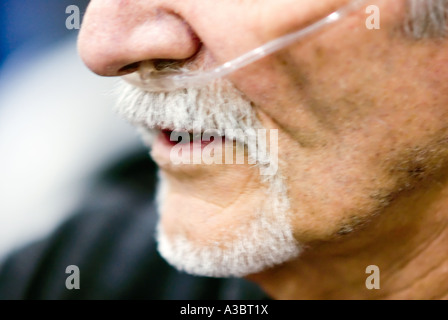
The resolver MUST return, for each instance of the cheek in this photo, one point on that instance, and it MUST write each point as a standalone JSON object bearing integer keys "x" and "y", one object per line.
{"x": 325, "y": 79}
{"x": 333, "y": 189}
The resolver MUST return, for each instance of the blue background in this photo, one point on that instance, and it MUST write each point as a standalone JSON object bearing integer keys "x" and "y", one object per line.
{"x": 33, "y": 24}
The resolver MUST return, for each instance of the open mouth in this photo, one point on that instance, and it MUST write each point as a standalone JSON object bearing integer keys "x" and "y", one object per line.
{"x": 187, "y": 137}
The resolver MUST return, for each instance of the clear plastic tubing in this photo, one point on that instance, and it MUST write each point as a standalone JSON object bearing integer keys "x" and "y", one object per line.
{"x": 163, "y": 81}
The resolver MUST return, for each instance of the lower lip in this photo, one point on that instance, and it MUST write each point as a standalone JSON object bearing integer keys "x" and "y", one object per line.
{"x": 166, "y": 137}
{"x": 163, "y": 145}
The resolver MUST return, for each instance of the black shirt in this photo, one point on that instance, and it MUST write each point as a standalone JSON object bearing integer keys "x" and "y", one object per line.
{"x": 112, "y": 241}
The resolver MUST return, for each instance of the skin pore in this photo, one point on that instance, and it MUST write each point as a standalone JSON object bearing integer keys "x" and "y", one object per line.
{"x": 363, "y": 141}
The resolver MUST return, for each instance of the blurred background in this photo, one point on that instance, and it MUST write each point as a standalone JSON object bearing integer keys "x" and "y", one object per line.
{"x": 57, "y": 121}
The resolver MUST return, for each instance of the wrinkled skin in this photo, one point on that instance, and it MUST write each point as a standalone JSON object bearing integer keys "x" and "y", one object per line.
{"x": 363, "y": 142}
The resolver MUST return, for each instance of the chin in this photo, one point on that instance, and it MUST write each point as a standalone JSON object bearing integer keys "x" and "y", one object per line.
{"x": 201, "y": 235}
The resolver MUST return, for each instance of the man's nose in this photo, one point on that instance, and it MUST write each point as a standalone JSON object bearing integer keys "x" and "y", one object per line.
{"x": 116, "y": 36}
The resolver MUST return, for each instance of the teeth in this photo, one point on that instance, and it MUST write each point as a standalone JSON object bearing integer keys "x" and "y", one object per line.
{"x": 195, "y": 137}
{"x": 192, "y": 136}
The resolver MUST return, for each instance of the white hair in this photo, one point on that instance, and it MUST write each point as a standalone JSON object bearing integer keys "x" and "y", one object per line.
{"x": 263, "y": 242}
{"x": 427, "y": 18}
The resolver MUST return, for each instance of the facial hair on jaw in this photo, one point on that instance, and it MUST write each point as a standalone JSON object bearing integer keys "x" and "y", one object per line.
{"x": 269, "y": 240}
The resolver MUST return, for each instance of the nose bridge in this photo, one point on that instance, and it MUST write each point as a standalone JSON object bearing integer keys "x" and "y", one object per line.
{"x": 122, "y": 33}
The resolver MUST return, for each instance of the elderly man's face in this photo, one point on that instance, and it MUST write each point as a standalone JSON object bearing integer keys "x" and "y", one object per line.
{"x": 360, "y": 116}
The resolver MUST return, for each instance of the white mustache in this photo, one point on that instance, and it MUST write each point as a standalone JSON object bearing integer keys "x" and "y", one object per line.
{"x": 218, "y": 107}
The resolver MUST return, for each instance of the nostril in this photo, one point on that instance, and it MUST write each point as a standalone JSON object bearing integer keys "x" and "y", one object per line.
{"x": 162, "y": 64}
{"x": 157, "y": 64}
{"x": 129, "y": 68}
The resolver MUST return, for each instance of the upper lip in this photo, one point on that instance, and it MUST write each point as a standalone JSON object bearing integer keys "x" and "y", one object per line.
{"x": 171, "y": 129}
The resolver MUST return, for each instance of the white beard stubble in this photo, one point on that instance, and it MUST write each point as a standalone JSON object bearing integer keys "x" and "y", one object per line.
{"x": 268, "y": 241}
